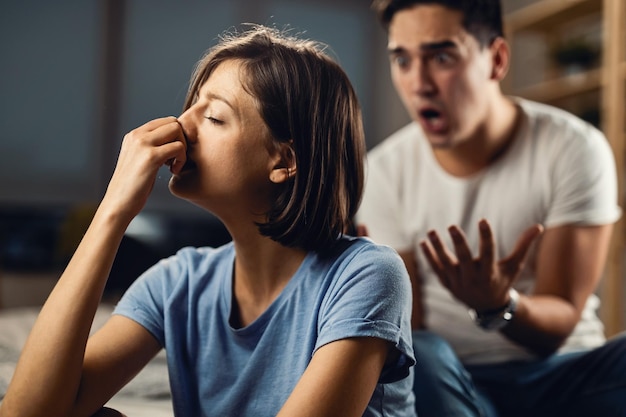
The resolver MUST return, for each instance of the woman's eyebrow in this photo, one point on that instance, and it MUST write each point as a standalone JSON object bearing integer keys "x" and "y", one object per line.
{"x": 215, "y": 96}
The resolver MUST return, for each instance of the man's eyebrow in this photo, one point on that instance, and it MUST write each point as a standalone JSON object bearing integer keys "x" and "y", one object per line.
{"x": 395, "y": 51}
{"x": 426, "y": 47}
{"x": 438, "y": 45}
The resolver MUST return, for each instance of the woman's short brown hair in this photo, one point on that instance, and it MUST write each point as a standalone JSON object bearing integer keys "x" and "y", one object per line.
{"x": 307, "y": 101}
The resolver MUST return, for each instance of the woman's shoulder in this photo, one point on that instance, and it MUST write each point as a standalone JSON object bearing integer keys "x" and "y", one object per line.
{"x": 187, "y": 265}
{"x": 348, "y": 245}
{"x": 365, "y": 255}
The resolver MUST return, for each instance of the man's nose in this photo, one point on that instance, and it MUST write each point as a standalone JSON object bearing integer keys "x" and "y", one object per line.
{"x": 421, "y": 80}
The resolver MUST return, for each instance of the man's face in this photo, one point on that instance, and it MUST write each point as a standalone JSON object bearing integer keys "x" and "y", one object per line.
{"x": 441, "y": 73}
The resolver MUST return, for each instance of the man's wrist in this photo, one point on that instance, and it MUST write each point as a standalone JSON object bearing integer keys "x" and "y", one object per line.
{"x": 498, "y": 319}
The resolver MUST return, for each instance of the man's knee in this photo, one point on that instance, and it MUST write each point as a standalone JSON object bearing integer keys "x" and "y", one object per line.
{"x": 432, "y": 348}
{"x": 442, "y": 385}
{"x": 435, "y": 356}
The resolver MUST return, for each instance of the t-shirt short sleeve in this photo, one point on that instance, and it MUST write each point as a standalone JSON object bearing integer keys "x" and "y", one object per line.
{"x": 584, "y": 182}
{"x": 145, "y": 300}
{"x": 371, "y": 298}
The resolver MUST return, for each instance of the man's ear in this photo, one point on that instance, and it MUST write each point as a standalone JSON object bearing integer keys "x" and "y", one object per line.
{"x": 285, "y": 164}
{"x": 501, "y": 57}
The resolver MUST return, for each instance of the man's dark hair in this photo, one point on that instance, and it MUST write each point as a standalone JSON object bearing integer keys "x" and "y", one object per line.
{"x": 481, "y": 18}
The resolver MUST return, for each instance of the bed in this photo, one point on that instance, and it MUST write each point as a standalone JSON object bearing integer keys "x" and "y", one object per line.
{"x": 147, "y": 395}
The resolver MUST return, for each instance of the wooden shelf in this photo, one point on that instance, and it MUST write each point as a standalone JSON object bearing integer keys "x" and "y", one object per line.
{"x": 545, "y": 15}
{"x": 560, "y": 88}
{"x": 552, "y": 18}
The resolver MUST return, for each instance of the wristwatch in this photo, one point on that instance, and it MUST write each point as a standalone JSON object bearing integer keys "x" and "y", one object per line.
{"x": 496, "y": 319}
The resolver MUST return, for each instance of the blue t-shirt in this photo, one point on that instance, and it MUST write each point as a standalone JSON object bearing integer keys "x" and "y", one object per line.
{"x": 217, "y": 370}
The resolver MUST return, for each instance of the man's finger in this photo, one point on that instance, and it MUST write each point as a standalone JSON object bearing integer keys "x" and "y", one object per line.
{"x": 434, "y": 262}
{"x": 513, "y": 263}
{"x": 487, "y": 246}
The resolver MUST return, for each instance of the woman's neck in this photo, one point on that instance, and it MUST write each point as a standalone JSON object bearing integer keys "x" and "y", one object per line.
{"x": 262, "y": 269}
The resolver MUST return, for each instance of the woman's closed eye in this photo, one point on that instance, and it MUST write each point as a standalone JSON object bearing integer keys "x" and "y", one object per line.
{"x": 214, "y": 120}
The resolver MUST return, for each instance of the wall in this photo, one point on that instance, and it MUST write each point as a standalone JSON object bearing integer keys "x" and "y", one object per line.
{"x": 77, "y": 75}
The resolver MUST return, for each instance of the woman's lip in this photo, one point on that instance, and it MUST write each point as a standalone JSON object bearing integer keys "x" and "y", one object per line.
{"x": 189, "y": 165}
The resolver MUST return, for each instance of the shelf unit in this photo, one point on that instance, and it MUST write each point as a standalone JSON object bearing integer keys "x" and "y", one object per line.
{"x": 547, "y": 21}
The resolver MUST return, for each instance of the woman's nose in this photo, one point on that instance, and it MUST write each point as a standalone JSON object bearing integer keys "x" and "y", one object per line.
{"x": 187, "y": 124}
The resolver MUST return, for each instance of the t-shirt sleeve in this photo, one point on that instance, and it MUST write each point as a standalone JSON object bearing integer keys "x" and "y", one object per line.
{"x": 585, "y": 182}
{"x": 144, "y": 301}
{"x": 371, "y": 298}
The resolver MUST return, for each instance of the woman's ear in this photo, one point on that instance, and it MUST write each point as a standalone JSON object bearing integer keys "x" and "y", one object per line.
{"x": 285, "y": 165}
{"x": 501, "y": 56}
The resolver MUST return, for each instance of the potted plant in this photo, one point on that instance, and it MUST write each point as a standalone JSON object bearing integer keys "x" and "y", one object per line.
{"x": 576, "y": 55}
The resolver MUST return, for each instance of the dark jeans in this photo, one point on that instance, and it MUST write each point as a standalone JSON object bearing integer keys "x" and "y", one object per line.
{"x": 582, "y": 384}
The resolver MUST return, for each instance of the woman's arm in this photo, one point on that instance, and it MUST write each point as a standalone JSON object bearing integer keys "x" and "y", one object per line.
{"x": 340, "y": 379}
{"x": 48, "y": 379}
{"x": 114, "y": 355}
{"x": 48, "y": 374}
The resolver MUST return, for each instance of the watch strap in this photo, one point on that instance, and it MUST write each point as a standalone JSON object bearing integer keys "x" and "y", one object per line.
{"x": 497, "y": 319}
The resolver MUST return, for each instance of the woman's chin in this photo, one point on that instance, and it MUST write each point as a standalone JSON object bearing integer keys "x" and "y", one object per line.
{"x": 180, "y": 186}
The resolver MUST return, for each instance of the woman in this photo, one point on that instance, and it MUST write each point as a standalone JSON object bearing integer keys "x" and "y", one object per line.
{"x": 291, "y": 317}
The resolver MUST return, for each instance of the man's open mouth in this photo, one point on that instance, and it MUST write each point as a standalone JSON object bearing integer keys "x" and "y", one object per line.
{"x": 432, "y": 120}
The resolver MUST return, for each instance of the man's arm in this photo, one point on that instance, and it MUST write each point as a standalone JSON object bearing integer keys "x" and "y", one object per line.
{"x": 417, "y": 313}
{"x": 570, "y": 263}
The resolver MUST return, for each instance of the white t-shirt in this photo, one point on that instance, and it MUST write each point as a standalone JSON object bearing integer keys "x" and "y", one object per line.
{"x": 558, "y": 170}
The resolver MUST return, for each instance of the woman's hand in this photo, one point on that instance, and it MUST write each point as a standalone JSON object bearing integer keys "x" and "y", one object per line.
{"x": 144, "y": 150}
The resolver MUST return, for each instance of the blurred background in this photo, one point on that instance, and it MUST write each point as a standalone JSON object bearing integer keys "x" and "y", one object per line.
{"x": 77, "y": 75}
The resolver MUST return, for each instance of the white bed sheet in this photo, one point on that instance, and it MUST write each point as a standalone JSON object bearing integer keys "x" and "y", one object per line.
{"x": 147, "y": 395}
{"x": 139, "y": 407}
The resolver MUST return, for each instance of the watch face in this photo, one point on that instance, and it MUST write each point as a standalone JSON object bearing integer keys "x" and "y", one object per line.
{"x": 498, "y": 319}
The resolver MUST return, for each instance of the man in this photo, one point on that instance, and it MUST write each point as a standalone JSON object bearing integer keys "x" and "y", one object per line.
{"x": 502, "y": 208}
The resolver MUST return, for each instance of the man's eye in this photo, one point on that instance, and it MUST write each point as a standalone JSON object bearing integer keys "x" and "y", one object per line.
{"x": 443, "y": 58}
{"x": 400, "y": 61}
